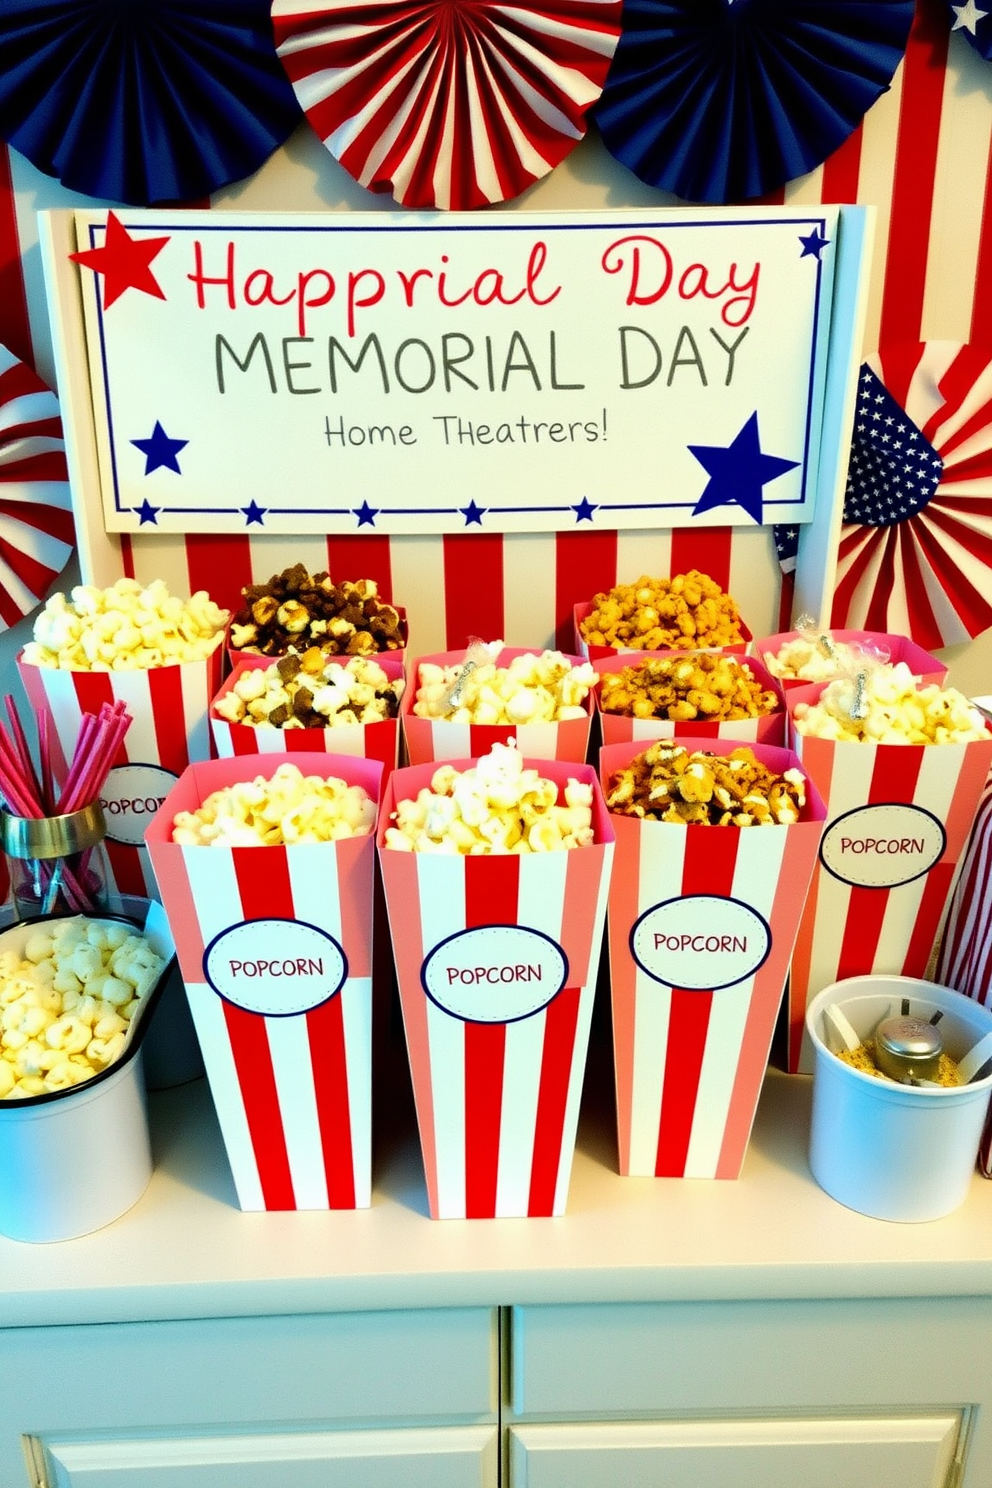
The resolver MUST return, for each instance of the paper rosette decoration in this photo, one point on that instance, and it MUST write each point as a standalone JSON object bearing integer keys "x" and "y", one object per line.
{"x": 722, "y": 100}
{"x": 447, "y": 105}
{"x": 975, "y": 25}
{"x": 159, "y": 101}
{"x": 915, "y": 554}
{"x": 36, "y": 529}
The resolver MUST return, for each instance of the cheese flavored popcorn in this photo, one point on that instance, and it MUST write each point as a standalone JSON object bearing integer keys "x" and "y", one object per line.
{"x": 66, "y": 1005}
{"x": 668, "y": 783}
{"x": 887, "y": 705}
{"x": 495, "y": 806}
{"x": 683, "y": 613}
{"x": 123, "y": 628}
{"x": 286, "y": 808}
{"x": 707, "y": 685}
{"x": 532, "y": 688}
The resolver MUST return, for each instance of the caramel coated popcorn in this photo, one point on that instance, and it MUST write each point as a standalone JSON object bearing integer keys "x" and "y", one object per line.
{"x": 705, "y": 686}
{"x": 285, "y": 808}
{"x": 668, "y": 783}
{"x": 123, "y": 628}
{"x": 299, "y": 609}
{"x": 66, "y": 1004}
{"x": 678, "y": 614}
{"x": 887, "y": 705}
{"x": 530, "y": 689}
{"x": 496, "y": 806}
{"x": 309, "y": 691}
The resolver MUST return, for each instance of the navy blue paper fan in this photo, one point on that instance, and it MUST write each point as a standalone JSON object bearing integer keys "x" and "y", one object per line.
{"x": 143, "y": 101}
{"x": 725, "y": 100}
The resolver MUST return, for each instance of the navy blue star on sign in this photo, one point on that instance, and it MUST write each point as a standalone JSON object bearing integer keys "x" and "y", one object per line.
{"x": 584, "y": 510}
{"x": 814, "y": 244}
{"x": 472, "y": 513}
{"x": 894, "y": 470}
{"x": 738, "y": 472}
{"x": 366, "y": 514}
{"x": 253, "y": 513}
{"x": 147, "y": 513}
{"x": 159, "y": 450}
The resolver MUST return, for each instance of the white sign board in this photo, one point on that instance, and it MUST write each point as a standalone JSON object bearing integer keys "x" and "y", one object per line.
{"x": 408, "y": 373}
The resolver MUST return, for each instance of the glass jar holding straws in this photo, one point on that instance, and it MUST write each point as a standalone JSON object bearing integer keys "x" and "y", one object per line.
{"x": 53, "y": 840}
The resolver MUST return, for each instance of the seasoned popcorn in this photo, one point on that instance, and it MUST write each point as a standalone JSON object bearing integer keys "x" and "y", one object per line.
{"x": 534, "y": 688}
{"x": 667, "y": 783}
{"x": 299, "y": 609}
{"x": 282, "y": 809}
{"x": 815, "y": 658}
{"x": 123, "y": 628}
{"x": 66, "y": 1005}
{"x": 707, "y": 685}
{"x": 496, "y": 806}
{"x": 309, "y": 691}
{"x": 683, "y": 613}
{"x": 887, "y": 705}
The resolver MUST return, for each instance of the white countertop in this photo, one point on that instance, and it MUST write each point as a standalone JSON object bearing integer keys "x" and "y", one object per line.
{"x": 186, "y": 1250}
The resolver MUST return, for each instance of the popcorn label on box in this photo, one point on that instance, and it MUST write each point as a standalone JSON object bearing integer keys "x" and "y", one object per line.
{"x": 432, "y": 739}
{"x": 594, "y": 652}
{"x": 702, "y": 922}
{"x": 898, "y": 819}
{"x": 497, "y": 958}
{"x": 377, "y": 741}
{"x": 619, "y": 728}
{"x": 830, "y": 649}
{"x": 169, "y": 708}
{"x": 275, "y": 949}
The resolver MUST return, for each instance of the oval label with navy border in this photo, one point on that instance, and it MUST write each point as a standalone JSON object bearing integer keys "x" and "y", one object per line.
{"x": 494, "y": 973}
{"x": 883, "y": 846}
{"x": 701, "y": 943}
{"x": 275, "y": 967}
{"x": 130, "y": 798}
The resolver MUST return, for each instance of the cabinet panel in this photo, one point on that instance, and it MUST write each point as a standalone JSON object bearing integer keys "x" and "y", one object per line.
{"x": 910, "y": 1453}
{"x": 453, "y": 1457}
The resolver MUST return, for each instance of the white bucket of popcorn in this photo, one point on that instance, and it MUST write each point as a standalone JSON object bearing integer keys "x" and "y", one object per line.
{"x": 712, "y": 695}
{"x": 544, "y": 699}
{"x": 275, "y": 947}
{"x": 497, "y": 957}
{"x": 345, "y": 690}
{"x": 702, "y": 921}
{"x": 74, "y": 1144}
{"x": 798, "y": 658}
{"x": 168, "y": 702}
{"x": 898, "y": 818}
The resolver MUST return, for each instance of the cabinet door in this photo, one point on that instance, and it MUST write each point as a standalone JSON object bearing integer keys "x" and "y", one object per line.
{"x": 916, "y": 1452}
{"x": 438, "y": 1457}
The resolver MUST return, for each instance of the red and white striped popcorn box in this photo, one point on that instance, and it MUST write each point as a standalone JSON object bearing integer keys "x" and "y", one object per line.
{"x": 899, "y": 648}
{"x": 497, "y": 958}
{"x": 617, "y": 728}
{"x": 898, "y": 819}
{"x": 169, "y": 730}
{"x": 378, "y": 741}
{"x": 581, "y": 612}
{"x": 702, "y": 922}
{"x": 434, "y": 739}
{"x": 234, "y": 655}
{"x": 275, "y": 949}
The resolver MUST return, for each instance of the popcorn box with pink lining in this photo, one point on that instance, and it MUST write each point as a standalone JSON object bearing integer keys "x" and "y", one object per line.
{"x": 898, "y": 818}
{"x": 275, "y": 948}
{"x": 435, "y": 739}
{"x": 497, "y": 959}
{"x": 702, "y": 922}
{"x": 822, "y": 645}
{"x": 378, "y": 741}
{"x": 618, "y": 728}
{"x": 594, "y": 652}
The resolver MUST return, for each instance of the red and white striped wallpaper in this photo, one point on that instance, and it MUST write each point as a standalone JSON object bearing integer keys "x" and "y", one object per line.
{"x": 921, "y": 158}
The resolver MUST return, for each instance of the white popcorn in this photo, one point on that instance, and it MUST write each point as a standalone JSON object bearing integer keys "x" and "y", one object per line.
{"x": 887, "y": 705}
{"x": 308, "y": 690}
{"x": 289, "y": 807}
{"x": 123, "y": 628}
{"x": 532, "y": 688}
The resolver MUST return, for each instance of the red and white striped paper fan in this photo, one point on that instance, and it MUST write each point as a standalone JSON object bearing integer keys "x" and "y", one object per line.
{"x": 447, "y": 103}
{"x": 929, "y": 576}
{"x": 36, "y": 527}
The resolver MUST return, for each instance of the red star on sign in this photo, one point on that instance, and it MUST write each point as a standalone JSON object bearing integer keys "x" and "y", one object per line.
{"x": 123, "y": 261}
